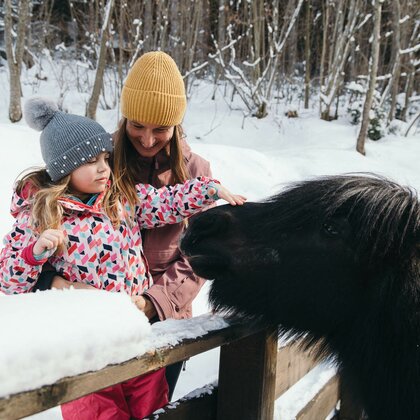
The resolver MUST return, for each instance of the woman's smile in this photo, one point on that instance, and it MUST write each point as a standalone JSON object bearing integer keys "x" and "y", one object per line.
{"x": 146, "y": 146}
{"x": 148, "y": 139}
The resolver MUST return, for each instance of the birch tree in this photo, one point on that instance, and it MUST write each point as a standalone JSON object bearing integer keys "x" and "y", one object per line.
{"x": 15, "y": 47}
{"x": 361, "y": 139}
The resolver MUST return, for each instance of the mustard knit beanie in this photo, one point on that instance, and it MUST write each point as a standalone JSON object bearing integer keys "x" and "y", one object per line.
{"x": 154, "y": 91}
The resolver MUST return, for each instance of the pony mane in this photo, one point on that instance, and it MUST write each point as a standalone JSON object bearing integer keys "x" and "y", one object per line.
{"x": 384, "y": 212}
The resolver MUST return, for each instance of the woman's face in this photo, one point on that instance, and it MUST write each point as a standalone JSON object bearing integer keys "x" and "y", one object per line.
{"x": 148, "y": 139}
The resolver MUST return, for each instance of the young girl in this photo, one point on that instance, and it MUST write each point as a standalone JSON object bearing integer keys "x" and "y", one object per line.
{"x": 72, "y": 216}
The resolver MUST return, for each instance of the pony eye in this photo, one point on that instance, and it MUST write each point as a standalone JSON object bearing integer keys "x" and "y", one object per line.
{"x": 330, "y": 229}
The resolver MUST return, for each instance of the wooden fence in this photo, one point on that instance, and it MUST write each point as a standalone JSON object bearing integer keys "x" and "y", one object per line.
{"x": 253, "y": 373}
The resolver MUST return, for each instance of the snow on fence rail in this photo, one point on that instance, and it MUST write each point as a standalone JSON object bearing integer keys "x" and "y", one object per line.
{"x": 253, "y": 373}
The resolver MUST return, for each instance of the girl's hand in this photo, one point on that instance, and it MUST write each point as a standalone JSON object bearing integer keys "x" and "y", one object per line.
{"x": 226, "y": 195}
{"x": 49, "y": 239}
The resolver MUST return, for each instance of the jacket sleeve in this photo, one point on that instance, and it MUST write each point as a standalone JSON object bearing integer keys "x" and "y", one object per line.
{"x": 173, "y": 292}
{"x": 172, "y": 204}
{"x": 19, "y": 271}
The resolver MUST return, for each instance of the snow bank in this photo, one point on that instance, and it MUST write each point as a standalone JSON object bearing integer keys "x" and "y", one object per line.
{"x": 59, "y": 333}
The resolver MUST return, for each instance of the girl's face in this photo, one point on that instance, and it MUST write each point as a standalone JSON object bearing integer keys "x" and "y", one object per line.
{"x": 148, "y": 139}
{"x": 92, "y": 177}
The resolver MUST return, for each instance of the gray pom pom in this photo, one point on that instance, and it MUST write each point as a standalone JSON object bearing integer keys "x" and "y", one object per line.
{"x": 39, "y": 111}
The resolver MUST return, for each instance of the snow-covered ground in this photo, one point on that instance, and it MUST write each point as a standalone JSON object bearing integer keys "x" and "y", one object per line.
{"x": 252, "y": 157}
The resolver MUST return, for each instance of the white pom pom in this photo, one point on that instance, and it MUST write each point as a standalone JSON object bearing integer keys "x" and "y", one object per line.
{"x": 39, "y": 111}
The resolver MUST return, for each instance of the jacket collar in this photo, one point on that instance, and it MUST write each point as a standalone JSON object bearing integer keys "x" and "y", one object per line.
{"x": 22, "y": 201}
{"x": 73, "y": 203}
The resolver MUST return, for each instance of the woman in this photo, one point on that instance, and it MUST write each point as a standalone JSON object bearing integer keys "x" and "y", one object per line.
{"x": 150, "y": 148}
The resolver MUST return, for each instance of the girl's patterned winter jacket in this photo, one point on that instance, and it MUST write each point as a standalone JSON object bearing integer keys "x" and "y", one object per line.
{"x": 97, "y": 253}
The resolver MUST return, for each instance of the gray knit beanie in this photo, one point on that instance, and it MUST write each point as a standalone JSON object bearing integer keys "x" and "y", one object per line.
{"x": 67, "y": 140}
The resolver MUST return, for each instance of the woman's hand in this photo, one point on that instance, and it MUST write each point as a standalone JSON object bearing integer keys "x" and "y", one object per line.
{"x": 49, "y": 239}
{"x": 225, "y": 194}
{"x": 145, "y": 305}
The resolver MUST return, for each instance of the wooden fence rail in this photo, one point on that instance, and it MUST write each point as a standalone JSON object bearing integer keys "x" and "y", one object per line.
{"x": 252, "y": 374}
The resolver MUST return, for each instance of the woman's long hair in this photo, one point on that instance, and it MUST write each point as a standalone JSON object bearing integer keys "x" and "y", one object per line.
{"x": 44, "y": 195}
{"x": 126, "y": 164}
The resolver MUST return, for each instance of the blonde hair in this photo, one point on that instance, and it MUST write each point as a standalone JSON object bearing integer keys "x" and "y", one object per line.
{"x": 46, "y": 209}
{"x": 126, "y": 163}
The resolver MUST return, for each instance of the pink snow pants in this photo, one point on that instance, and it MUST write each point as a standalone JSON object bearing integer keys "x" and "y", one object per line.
{"x": 135, "y": 398}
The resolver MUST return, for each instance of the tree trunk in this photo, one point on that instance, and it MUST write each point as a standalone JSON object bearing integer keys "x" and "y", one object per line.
{"x": 175, "y": 32}
{"x": 326, "y": 23}
{"x": 360, "y": 147}
{"x": 221, "y": 24}
{"x": 100, "y": 70}
{"x": 395, "y": 59}
{"x": 408, "y": 90}
{"x": 257, "y": 13}
{"x": 15, "y": 54}
{"x": 307, "y": 52}
{"x": 339, "y": 50}
{"x": 279, "y": 45}
{"x": 408, "y": 59}
{"x": 193, "y": 23}
{"x": 147, "y": 25}
{"x": 221, "y": 39}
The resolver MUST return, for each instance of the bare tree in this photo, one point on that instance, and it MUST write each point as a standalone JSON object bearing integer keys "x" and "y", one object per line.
{"x": 393, "y": 83}
{"x": 326, "y": 23}
{"x": 97, "y": 86}
{"x": 340, "y": 40}
{"x": 361, "y": 139}
{"x": 14, "y": 53}
{"x": 148, "y": 25}
{"x": 408, "y": 59}
{"x": 175, "y": 39}
{"x": 256, "y": 46}
{"x": 221, "y": 23}
{"x": 277, "y": 47}
{"x": 308, "y": 20}
{"x": 256, "y": 92}
{"x": 396, "y": 47}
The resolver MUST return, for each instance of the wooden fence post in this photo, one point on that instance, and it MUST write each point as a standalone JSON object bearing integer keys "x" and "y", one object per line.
{"x": 247, "y": 378}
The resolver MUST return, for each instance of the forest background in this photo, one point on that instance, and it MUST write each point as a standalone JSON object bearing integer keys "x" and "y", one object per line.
{"x": 330, "y": 54}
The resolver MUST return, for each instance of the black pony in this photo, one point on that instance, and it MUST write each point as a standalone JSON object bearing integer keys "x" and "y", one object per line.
{"x": 336, "y": 259}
